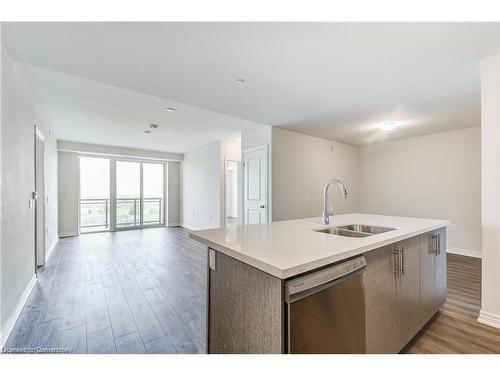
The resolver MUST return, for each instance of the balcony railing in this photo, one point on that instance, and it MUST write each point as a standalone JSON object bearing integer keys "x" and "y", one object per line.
{"x": 95, "y": 213}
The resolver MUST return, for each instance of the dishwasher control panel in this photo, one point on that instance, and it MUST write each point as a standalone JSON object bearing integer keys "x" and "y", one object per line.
{"x": 323, "y": 277}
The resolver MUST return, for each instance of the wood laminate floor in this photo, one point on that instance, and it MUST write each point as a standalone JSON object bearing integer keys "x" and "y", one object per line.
{"x": 140, "y": 291}
{"x": 143, "y": 291}
{"x": 455, "y": 328}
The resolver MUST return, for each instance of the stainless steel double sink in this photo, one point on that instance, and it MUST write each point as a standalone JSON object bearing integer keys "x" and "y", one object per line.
{"x": 354, "y": 230}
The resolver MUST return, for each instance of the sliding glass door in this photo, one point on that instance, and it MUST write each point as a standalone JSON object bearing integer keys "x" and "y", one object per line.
{"x": 139, "y": 194}
{"x": 153, "y": 187}
{"x": 94, "y": 194}
{"x": 121, "y": 194}
{"x": 128, "y": 194}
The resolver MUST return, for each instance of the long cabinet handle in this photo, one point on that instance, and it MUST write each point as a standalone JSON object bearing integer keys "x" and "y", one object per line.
{"x": 402, "y": 260}
{"x": 396, "y": 262}
{"x": 436, "y": 244}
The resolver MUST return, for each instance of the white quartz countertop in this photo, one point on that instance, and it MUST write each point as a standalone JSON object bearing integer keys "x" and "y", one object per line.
{"x": 288, "y": 248}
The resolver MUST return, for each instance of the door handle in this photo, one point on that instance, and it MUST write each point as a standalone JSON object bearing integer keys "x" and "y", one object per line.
{"x": 34, "y": 195}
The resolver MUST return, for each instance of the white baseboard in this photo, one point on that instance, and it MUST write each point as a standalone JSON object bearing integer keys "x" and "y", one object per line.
{"x": 190, "y": 227}
{"x": 6, "y": 331}
{"x": 489, "y": 319}
{"x": 465, "y": 252}
{"x": 49, "y": 251}
{"x": 68, "y": 234}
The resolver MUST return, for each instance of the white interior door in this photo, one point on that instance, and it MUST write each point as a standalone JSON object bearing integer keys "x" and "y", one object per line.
{"x": 255, "y": 186}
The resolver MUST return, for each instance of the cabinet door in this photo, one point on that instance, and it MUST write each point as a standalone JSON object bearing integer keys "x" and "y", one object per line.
{"x": 440, "y": 268}
{"x": 380, "y": 301}
{"x": 408, "y": 290}
{"x": 427, "y": 278}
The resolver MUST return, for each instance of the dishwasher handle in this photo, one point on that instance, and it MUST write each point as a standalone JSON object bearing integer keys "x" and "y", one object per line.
{"x": 304, "y": 286}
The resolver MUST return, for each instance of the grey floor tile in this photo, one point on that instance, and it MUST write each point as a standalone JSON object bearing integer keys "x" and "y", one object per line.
{"x": 160, "y": 345}
{"x": 101, "y": 342}
{"x": 130, "y": 344}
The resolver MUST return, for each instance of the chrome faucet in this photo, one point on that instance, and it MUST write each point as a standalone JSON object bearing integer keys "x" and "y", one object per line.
{"x": 326, "y": 213}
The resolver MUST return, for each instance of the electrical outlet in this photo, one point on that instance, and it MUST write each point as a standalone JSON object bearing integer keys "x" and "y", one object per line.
{"x": 210, "y": 217}
{"x": 192, "y": 213}
{"x": 452, "y": 227}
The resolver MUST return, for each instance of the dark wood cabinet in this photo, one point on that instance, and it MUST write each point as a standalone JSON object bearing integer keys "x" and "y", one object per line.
{"x": 440, "y": 267}
{"x": 405, "y": 285}
{"x": 408, "y": 290}
{"x": 380, "y": 300}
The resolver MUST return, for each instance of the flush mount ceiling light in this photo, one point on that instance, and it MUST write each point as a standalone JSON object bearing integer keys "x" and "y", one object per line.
{"x": 388, "y": 126}
{"x": 170, "y": 109}
{"x": 153, "y": 126}
{"x": 147, "y": 132}
{"x": 240, "y": 80}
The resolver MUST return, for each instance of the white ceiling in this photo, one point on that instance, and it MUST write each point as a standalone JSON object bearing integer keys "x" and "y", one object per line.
{"x": 86, "y": 111}
{"x": 334, "y": 80}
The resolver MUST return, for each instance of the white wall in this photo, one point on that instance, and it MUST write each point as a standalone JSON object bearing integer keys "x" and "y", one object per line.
{"x": 1, "y": 187}
{"x": 19, "y": 115}
{"x": 201, "y": 187}
{"x": 68, "y": 197}
{"x": 490, "y": 180}
{"x": 51, "y": 195}
{"x": 231, "y": 191}
{"x": 302, "y": 165}
{"x": 256, "y": 136}
{"x": 173, "y": 193}
{"x": 434, "y": 176}
{"x": 229, "y": 150}
{"x": 203, "y": 184}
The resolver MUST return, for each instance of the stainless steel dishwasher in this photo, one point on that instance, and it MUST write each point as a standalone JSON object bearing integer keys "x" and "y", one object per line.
{"x": 326, "y": 310}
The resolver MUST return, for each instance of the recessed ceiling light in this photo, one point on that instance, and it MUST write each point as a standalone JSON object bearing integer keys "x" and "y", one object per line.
{"x": 153, "y": 126}
{"x": 240, "y": 80}
{"x": 170, "y": 109}
{"x": 147, "y": 132}
{"x": 388, "y": 126}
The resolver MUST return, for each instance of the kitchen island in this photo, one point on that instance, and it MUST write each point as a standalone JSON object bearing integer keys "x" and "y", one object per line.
{"x": 399, "y": 284}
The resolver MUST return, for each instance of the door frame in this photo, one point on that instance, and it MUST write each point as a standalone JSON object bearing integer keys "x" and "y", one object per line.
{"x": 39, "y": 201}
{"x": 112, "y": 191}
{"x": 114, "y": 227}
{"x": 239, "y": 190}
{"x": 267, "y": 184}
